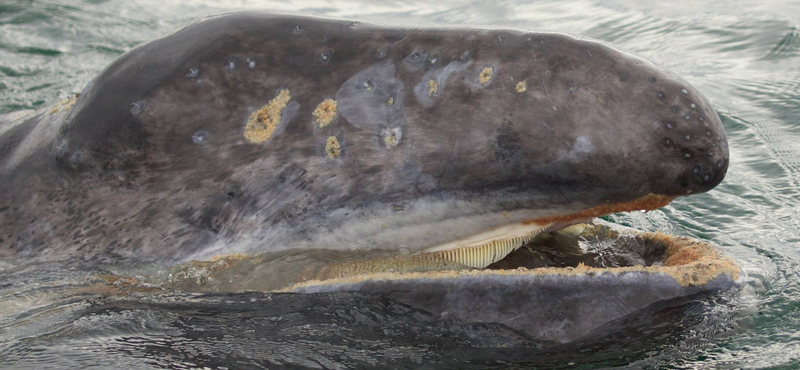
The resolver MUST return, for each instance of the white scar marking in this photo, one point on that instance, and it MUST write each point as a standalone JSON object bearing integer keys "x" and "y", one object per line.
{"x": 677, "y": 99}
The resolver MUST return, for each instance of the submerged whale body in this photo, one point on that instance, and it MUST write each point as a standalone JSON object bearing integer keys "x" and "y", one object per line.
{"x": 347, "y": 150}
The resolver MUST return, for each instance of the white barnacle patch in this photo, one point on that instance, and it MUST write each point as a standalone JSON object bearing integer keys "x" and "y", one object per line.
{"x": 332, "y": 148}
{"x": 391, "y": 137}
{"x": 270, "y": 119}
{"x": 325, "y": 112}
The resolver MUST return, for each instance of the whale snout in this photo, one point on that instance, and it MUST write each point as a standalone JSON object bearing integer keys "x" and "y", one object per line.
{"x": 691, "y": 138}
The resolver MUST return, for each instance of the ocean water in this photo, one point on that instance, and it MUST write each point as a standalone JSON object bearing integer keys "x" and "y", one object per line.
{"x": 743, "y": 55}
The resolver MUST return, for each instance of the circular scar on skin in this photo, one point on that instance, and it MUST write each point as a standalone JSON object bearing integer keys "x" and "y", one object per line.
{"x": 325, "y": 112}
{"x": 265, "y": 120}
{"x": 332, "y": 148}
{"x": 522, "y": 87}
{"x": 486, "y": 75}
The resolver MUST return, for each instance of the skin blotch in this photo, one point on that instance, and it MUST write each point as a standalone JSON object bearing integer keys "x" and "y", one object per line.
{"x": 325, "y": 112}
{"x": 433, "y": 87}
{"x": 332, "y": 148}
{"x": 522, "y": 87}
{"x": 486, "y": 75}
{"x": 390, "y": 101}
{"x": 263, "y": 122}
{"x": 64, "y": 104}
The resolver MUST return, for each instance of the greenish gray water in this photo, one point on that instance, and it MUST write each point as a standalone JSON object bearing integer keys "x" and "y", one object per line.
{"x": 744, "y": 56}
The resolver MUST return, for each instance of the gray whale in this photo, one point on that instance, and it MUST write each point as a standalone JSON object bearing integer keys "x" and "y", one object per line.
{"x": 261, "y": 134}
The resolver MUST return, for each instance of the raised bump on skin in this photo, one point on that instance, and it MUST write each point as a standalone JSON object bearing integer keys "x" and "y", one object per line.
{"x": 265, "y": 120}
{"x": 333, "y": 148}
{"x": 325, "y": 112}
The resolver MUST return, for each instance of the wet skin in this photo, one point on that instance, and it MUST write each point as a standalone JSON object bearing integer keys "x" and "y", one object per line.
{"x": 440, "y": 133}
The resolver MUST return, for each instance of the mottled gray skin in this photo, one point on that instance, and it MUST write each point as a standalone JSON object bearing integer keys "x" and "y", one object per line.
{"x": 151, "y": 162}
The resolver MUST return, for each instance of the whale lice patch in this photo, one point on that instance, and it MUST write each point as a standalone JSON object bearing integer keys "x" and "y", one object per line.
{"x": 262, "y": 123}
{"x": 486, "y": 75}
{"x": 521, "y": 87}
{"x": 433, "y": 87}
{"x": 390, "y": 101}
{"x": 332, "y": 148}
{"x": 325, "y": 112}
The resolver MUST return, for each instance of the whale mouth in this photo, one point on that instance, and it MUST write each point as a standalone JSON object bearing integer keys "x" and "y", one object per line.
{"x": 480, "y": 250}
{"x": 592, "y": 248}
{"x": 502, "y": 251}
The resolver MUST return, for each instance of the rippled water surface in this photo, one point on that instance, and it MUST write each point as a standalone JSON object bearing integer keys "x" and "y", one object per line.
{"x": 744, "y": 56}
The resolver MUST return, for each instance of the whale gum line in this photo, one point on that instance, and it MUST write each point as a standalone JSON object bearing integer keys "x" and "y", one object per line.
{"x": 129, "y": 180}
